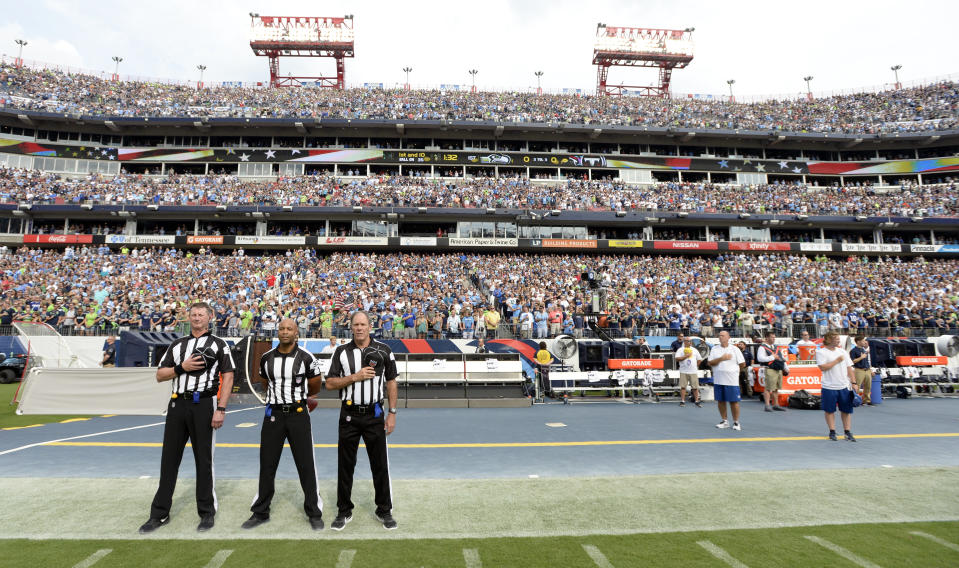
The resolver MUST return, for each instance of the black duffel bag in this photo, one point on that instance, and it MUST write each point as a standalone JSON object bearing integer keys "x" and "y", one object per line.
{"x": 804, "y": 400}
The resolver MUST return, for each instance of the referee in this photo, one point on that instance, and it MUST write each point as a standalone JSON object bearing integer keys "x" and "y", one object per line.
{"x": 201, "y": 368}
{"x": 291, "y": 373}
{"x": 363, "y": 370}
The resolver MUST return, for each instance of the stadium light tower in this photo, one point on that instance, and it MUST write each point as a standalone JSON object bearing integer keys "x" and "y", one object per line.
{"x": 731, "y": 82}
{"x": 202, "y": 68}
{"x": 808, "y": 79}
{"x": 895, "y": 69}
{"x": 116, "y": 68}
{"x": 473, "y": 73}
{"x": 539, "y": 87}
{"x": 21, "y": 43}
{"x": 297, "y": 36}
{"x": 407, "y": 71}
{"x": 640, "y": 47}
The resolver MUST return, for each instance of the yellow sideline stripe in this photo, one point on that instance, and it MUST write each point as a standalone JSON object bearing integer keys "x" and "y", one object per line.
{"x": 541, "y": 444}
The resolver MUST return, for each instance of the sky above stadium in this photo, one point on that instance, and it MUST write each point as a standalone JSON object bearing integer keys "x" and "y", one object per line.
{"x": 767, "y": 47}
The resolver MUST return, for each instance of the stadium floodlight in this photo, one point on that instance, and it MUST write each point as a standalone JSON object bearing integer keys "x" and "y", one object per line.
{"x": 116, "y": 68}
{"x": 661, "y": 49}
{"x": 895, "y": 69}
{"x": 539, "y": 86}
{"x": 731, "y": 82}
{"x": 407, "y": 71}
{"x": 808, "y": 79}
{"x": 202, "y": 68}
{"x": 21, "y": 43}
{"x": 473, "y": 73}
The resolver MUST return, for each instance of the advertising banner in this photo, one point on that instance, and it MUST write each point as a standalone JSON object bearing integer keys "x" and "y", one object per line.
{"x": 482, "y": 242}
{"x": 58, "y": 239}
{"x": 758, "y": 246}
{"x": 351, "y": 241}
{"x": 870, "y": 247}
{"x": 924, "y": 248}
{"x": 816, "y": 247}
{"x": 268, "y": 240}
{"x": 569, "y": 243}
{"x": 204, "y": 240}
{"x": 913, "y": 361}
{"x": 625, "y": 243}
{"x": 686, "y": 245}
{"x": 141, "y": 239}
{"x": 418, "y": 241}
{"x": 636, "y": 363}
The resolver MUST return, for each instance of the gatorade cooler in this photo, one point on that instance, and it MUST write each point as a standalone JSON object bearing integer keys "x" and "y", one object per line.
{"x": 806, "y": 352}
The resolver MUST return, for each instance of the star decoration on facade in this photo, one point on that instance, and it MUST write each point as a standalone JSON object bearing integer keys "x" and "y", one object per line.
{"x": 295, "y": 152}
{"x": 270, "y": 154}
{"x": 796, "y": 170}
{"x": 244, "y": 158}
{"x": 724, "y": 163}
{"x": 760, "y": 167}
{"x": 783, "y": 165}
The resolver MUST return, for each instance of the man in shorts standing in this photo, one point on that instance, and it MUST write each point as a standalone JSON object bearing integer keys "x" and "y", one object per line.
{"x": 726, "y": 360}
{"x": 688, "y": 358}
{"x": 838, "y": 384}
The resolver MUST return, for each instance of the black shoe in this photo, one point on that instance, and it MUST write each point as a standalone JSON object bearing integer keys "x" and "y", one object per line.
{"x": 698, "y": 404}
{"x": 832, "y": 436}
{"x": 387, "y": 519}
{"x": 206, "y": 523}
{"x": 316, "y": 523}
{"x": 254, "y": 522}
{"x": 681, "y": 403}
{"x": 339, "y": 523}
{"x": 779, "y": 409}
{"x": 153, "y": 524}
{"x": 850, "y": 437}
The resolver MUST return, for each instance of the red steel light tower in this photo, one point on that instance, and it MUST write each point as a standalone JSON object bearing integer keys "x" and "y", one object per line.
{"x": 275, "y": 37}
{"x": 640, "y": 47}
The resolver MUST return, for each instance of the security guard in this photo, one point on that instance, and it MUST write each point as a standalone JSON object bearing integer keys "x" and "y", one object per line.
{"x": 291, "y": 373}
{"x": 201, "y": 368}
{"x": 364, "y": 370}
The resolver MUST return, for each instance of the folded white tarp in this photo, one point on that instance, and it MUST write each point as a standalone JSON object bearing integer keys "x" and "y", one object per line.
{"x": 133, "y": 391}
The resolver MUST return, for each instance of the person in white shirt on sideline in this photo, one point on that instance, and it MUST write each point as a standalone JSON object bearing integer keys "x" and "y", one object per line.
{"x": 688, "y": 358}
{"x": 726, "y": 360}
{"x": 773, "y": 365}
{"x": 838, "y": 384}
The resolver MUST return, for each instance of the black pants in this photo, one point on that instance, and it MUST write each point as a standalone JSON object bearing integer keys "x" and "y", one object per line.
{"x": 278, "y": 428}
{"x": 187, "y": 421}
{"x": 352, "y": 428}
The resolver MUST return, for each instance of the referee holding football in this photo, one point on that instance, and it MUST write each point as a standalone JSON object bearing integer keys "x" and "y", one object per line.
{"x": 363, "y": 370}
{"x": 291, "y": 373}
{"x": 201, "y": 368}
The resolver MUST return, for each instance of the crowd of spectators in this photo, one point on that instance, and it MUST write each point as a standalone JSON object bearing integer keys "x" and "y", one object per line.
{"x": 89, "y": 290}
{"x": 926, "y": 108}
{"x": 30, "y": 186}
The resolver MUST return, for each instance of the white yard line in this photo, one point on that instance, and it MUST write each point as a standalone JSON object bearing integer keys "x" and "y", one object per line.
{"x": 855, "y": 559}
{"x": 937, "y": 540}
{"x": 93, "y": 558}
{"x": 472, "y": 558}
{"x": 721, "y": 554}
{"x": 218, "y": 559}
{"x": 346, "y": 559}
{"x": 598, "y": 557}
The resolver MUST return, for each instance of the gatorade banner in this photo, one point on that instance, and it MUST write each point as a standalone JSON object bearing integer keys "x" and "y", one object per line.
{"x": 636, "y": 363}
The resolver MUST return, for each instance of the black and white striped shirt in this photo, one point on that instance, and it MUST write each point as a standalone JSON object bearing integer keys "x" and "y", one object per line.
{"x": 287, "y": 374}
{"x": 208, "y": 378}
{"x": 348, "y": 360}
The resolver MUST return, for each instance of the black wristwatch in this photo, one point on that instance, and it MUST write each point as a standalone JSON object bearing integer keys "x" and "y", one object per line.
{"x": 392, "y": 411}
{"x": 221, "y": 409}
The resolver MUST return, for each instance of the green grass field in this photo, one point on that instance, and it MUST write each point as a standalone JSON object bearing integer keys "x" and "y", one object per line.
{"x": 886, "y": 545}
{"x": 8, "y": 412}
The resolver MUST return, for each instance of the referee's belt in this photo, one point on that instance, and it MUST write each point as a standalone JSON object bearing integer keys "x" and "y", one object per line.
{"x": 192, "y": 396}
{"x": 291, "y": 408}
{"x": 353, "y": 408}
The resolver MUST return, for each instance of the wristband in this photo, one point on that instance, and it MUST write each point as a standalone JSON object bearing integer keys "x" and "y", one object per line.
{"x": 178, "y": 369}
{"x": 221, "y": 409}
